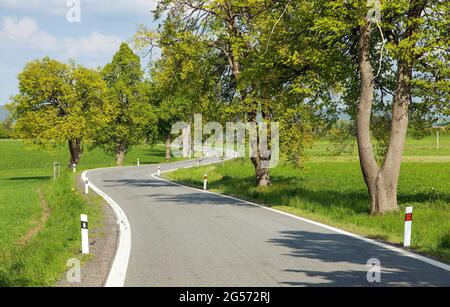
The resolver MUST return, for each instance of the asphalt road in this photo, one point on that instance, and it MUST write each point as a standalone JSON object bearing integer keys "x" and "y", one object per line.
{"x": 183, "y": 237}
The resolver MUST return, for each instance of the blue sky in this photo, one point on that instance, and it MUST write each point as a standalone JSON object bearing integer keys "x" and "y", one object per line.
{"x": 31, "y": 29}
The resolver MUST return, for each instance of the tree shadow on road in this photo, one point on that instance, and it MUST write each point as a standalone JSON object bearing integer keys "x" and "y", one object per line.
{"x": 351, "y": 253}
{"x": 136, "y": 183}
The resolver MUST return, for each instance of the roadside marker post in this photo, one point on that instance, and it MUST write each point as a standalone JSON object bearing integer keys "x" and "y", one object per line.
{"x": 159, "y": 171}
{"x": 138, "y": 163}
{"x": 74, "y": 168}
{"x": 205, "y": 182}
{"x": 408, "y": 227}
{"x": 86, "y": 187}
{"x": 84, "y": 235}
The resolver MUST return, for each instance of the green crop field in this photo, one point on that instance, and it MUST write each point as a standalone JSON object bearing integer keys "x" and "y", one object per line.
{"x": 424, "y": 150}
{"x": 24, "y": 172}
{"x": 330, "y": 189}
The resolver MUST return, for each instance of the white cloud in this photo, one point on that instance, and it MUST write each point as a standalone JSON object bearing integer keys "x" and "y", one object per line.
{"x": 91, "y": 46}
{"x": 25, "y": 32}
{"x": 97, "y": 7}
{"x": 119, "y": 6}
{"x": 47, "y": 6}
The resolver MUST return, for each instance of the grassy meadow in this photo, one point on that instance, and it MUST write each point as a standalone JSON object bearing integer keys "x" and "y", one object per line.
{"x": 330, "y": 189}
{"x": 25, "y": 183}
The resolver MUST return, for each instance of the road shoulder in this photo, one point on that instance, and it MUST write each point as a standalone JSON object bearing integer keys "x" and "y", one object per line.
{"x": 103, "y": 245}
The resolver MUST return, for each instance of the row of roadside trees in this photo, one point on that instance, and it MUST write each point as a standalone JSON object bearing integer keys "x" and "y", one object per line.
{"x": 108, "y": 108}
{"x": 299, "y": 63}
{"x": 384, "y": 63}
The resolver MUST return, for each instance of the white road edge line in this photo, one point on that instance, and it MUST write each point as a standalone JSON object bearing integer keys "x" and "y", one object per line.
{"x": 334, "y": 229}
{"x": 118, "y": 271}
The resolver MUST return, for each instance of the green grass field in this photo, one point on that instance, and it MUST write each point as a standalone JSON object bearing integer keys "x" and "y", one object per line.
{"x": 24, "y": 171}
{"x": 424, "y": 150}
{"x": 330, "y": 189}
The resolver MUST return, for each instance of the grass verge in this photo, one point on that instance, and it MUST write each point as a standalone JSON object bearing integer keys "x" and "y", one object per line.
{"x": 44, "y": 258}
{"x": 41, "y": 259}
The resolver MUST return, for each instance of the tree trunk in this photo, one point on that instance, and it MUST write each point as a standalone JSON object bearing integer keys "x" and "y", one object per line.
{"x": 260, "y": 163}
{"x": 382, "y": 183}
{"x": 120, "y": 154}
{"x": 76, "y": 150}
{"x": 261, "y": 172}
{"x": 260, "y": 160}
{"x": 168, "y": 147}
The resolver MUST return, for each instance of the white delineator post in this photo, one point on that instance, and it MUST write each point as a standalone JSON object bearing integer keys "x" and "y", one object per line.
{"x": 74, "y": 168}
{"x": 205, "y": 182}
{"x": 159, "y": 171}
{"x": 86, "y": 187}
{"x": 84, "y": 235}
{"x": 408, "y": 227}
{"x": 138, "y": 163}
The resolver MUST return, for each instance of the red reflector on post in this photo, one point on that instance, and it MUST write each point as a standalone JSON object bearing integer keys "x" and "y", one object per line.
{"x": 408, "y": 217}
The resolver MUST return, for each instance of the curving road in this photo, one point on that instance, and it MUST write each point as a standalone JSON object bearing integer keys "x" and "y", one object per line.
{"x": 185, "y": 237}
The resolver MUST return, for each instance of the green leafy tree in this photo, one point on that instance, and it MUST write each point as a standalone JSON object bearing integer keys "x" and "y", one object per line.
{"x": 396, "y": 74}
{"x": 257, "y": 85}
{"x": 132, "y": 116}
{"x": 185, "y": 79}
{"x": 5, "y": 133}
{"x": 6, "y": 128}
{"x": 58, "y": 103}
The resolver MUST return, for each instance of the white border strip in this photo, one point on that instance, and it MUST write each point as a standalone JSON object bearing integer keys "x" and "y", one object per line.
{"x": 118, "y": 271}
{"x": 334, "y": 229}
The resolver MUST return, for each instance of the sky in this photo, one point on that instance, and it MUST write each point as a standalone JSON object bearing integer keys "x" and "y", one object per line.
{"x": 87, "y": 31}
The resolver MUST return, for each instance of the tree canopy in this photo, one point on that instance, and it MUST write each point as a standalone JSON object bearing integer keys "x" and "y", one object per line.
{"x": 132, "y": 116}
{"x": 58, "y": 103}
{"x": 385, "y": 63}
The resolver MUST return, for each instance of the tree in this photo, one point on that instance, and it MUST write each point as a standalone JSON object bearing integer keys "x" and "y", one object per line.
{"x": 220, "y": 24}
{"x": 132, "y": 116}
{"x": 6, "y": 128}
{"x": 410, "y": 81}
{"x": 238, "y": 32}
{"x": 185, "y": 80}
{"x": 58, "y": 103}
